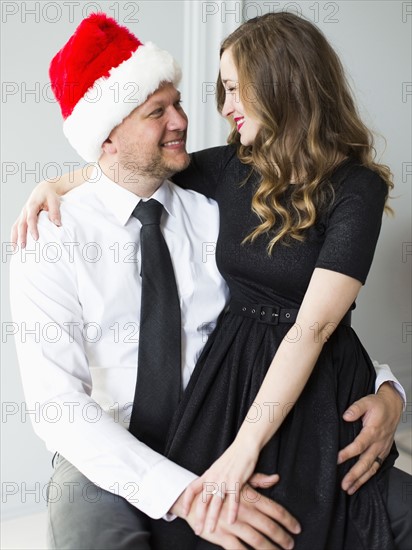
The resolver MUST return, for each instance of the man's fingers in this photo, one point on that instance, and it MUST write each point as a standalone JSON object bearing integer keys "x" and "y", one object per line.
{"x": 272, "y": 530}
{"x": 355, "y": 411}
{"x": 254, "y": 538}
{"x": 360, "y": 480}
{"x": 275, "y": 511}
{"x": 365, "y": 467}
{"x": 231, "y": 543}
{"x": 356, "y": 448}
{"x": 263, "y": 480}
{"x": 357, "y": 471}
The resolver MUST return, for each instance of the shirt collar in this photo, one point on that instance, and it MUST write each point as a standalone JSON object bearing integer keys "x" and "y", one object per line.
{"x": 122, "y": 202}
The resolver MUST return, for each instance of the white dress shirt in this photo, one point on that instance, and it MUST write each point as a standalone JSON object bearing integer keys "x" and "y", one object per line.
{"x": 79, "y": 288}
{"x": 384, "y": 374}
{"x": 76, "y": 296}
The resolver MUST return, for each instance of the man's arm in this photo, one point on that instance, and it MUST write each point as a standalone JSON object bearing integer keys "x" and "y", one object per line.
{"x": 58, "y": 385}
{"x": 384, "y": 375}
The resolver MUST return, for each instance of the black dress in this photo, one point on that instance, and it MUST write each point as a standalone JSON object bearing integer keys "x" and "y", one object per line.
{"x": 234, "y": 362}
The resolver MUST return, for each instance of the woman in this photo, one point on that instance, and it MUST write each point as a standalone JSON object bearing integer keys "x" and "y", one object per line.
{"x": 299, "y": 234}
{"x": 300, "y": 217}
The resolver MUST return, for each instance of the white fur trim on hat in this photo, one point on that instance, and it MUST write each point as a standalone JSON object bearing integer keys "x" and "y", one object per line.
{"x": 112, "y": 99}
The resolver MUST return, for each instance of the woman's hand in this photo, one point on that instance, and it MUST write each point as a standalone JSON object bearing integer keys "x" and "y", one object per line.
{"x": 380, "y": 415}
{"x": 261, "y": 522}
{"x": 224, "y": 480}
{"x": 43, "y": 197}
{"x": 46, "y": 196}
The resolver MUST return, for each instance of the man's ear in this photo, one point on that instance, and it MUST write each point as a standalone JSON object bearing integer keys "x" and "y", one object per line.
{"x": 109, "y": 147}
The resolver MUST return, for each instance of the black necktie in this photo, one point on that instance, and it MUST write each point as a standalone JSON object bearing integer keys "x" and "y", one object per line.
{"x": 158, "y": 382}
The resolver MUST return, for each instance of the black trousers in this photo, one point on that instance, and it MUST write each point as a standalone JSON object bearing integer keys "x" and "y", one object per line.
{"x": 82, "y": 516}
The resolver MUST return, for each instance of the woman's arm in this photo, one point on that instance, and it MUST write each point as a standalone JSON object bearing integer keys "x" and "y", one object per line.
{"x": 202, "y": 175}
{"x": 327, "y": 299}
{"x": 45, "y": 196}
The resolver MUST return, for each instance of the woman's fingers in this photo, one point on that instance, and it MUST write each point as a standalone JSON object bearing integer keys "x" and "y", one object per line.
{"x": 22, "y": 231}
{"x": 31, "y": 225}
{"x": 53, "y": 206}
{"x": 190, "y": 492}
{"x": 233, "y": 506}
{"x": 214, "y": 509}
{"x": 201, "y": 511}
{"x": 14, "y": 233}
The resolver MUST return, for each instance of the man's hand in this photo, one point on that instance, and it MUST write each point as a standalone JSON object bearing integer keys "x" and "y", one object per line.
{"x": 261, "y": 522}
{"x": 380, "y": 415}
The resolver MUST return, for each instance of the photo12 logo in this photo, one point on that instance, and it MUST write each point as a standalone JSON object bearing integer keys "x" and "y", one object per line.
{"x": 325, "y": 12}
{"x": 53, "y": 12}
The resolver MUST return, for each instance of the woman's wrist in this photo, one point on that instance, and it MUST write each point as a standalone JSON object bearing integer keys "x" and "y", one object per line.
{"x": 70, "y": 180}
{"x": 51, "y": 185}
{"x": 249, "y": 439}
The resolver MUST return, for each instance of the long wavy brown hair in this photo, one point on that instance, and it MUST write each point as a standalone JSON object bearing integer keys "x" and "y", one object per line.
{"x": 292, "y": 82}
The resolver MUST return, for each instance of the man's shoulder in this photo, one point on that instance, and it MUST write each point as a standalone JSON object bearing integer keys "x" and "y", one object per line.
{"x": 79, "y": 208}
{"x": 199, "y": 214}
{"x": 192, "y": 199}
{"x": 81, "y": 202}
{"x": 83, "y": 196}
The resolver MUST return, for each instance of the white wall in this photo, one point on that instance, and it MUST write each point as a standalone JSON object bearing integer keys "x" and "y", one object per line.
{"x": 373, "y": 39}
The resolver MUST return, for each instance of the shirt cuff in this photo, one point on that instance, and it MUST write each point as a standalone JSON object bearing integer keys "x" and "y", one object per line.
{"x": 161, "y": 487}
{"x": 384, "y": 374}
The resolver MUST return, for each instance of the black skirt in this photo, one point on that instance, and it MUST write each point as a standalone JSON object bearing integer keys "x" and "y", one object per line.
{"x": 303, "y": 451}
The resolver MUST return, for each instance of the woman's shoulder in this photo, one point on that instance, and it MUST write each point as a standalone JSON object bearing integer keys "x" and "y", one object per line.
{"x": 350, "y": 176}
{"x": 221, "y": 152}
{"x": 206, "y": 168}
{"x": 219, "y": 157}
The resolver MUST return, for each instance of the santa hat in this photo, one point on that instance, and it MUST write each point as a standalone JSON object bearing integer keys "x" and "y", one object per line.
{"x": 100, "y": 76}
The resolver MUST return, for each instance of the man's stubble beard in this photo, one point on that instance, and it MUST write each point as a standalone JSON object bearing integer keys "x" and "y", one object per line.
{"x": 152, "y": 168}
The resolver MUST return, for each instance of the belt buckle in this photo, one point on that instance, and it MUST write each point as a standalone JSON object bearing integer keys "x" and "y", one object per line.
{"x": 269, "y": 314}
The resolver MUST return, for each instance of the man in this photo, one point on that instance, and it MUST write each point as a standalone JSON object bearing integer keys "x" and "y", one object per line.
{"x": 92, "y": 297}
{"x": 90, "y": 293}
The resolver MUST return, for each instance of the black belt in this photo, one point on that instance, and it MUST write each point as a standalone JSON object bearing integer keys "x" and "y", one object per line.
{"x": 272, "y": 315}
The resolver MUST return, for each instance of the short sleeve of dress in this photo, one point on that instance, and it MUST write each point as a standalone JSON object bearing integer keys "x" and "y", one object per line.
{"x": 353, "y": 223}
{"x": 204, "y": 171}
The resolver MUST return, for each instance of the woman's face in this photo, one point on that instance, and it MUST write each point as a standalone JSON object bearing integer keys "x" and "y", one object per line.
{"x": 247, "y": 125}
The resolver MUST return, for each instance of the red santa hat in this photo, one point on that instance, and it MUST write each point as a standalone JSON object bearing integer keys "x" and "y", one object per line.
{"x": 100, "y": 76}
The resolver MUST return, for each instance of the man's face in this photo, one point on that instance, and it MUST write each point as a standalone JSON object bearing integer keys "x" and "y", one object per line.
{"x": 151, "y": 141}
